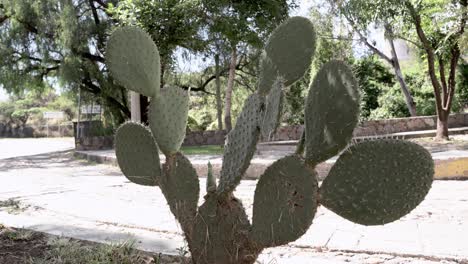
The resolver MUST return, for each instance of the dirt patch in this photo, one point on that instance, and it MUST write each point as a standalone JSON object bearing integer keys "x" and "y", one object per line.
{"x": 22, "y": 246}
{"x": 17, "y": 246}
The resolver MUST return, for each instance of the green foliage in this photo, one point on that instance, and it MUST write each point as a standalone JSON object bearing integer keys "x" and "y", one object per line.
{"x": 373, "y": 78}
{"x": 51, "y": 42}
{"x": 391, "y": 102}
{"x": 28, "y": 108}
{"x": 171, "y": 24}
{"x": 462, "y": 84}
{"x": 64, "y": 250}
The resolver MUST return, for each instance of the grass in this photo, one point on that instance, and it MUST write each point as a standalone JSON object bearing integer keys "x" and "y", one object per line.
{"x": 65, "y": 250}
{"x": 23, "y": 246}
{"x": 13, "y": 206}
{"x": 202, "y": 150}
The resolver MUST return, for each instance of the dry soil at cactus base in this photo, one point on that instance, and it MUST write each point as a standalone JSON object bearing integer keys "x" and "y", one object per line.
{"x": 55, "y": 193}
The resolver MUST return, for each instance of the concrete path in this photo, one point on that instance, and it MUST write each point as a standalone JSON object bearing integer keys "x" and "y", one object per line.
{"x": 15, "y": 147}
{"x": 61, "y": 195}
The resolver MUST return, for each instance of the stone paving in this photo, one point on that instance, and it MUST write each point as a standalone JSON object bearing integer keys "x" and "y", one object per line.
{"x": 61, "y": 195}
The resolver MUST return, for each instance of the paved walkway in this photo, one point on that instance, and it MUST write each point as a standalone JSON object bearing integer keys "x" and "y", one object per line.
{"x": 59, "y": 194}
{"x": 15, "y": 147}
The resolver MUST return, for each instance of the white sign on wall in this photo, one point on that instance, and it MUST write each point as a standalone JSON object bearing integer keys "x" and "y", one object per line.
{"x": 53, "y": 115}
{"x": 91, "y": 109}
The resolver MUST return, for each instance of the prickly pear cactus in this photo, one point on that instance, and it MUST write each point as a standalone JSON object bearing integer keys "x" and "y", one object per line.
{"x": 371, "y": 183}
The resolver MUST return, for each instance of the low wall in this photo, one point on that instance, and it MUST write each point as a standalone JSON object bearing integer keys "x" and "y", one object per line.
{"x": 367, "y": 128}
{"x": 209, "y": 137}
{"x": 12, "y": 131}
{"x": 94, "y": 143}
{"x": 381, "y": 127}
{"x": 389, "y": 126}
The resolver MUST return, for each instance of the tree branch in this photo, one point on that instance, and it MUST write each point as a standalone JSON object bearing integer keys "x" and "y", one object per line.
{"x": 430, "y": 56}
{"x": 92, "y": 57}
{"x": 223, "y": 72}
{"x": 365, "y": 40}
{"x": 455, "y": 52}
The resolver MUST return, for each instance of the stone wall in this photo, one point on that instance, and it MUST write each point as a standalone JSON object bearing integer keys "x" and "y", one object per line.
{"x": 381, "y": 127}
{"x": 94, "y": 143}
{"x": 14, "y": 131}
{"x": 366, "y": 128}
{"x": 209, "y": 137}
{"x": 389, "y": 126}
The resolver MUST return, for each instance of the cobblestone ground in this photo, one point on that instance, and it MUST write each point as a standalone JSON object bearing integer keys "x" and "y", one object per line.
{"x": 61, "y": 195}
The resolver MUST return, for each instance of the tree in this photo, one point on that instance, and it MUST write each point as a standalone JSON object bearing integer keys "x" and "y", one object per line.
{"x": 241, "y": 23}
{"x": 373, "y": 77}
{"x": 363, "y": 14}
{"x": 43, "y": 41}
{"x": 439, "y": 26}
{"x": 332, "y": 43}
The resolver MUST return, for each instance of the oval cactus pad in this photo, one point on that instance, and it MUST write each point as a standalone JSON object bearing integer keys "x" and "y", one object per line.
{"x": 137, "y": 154}
{"x": 378, "y": 182}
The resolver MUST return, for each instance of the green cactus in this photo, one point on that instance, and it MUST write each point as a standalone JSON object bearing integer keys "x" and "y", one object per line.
{"x": 285, "y": 202}
{"x": 330, "y": 131}
{"x": 137, "y": 154}
{"x": 375, "y": 182}
{"x": 273, "y": 108}
{"x": 371, "y": 183}
{"x": 133, "y": 60}
{"x": 241, "y": 143}
{"x": 168, "y": 118}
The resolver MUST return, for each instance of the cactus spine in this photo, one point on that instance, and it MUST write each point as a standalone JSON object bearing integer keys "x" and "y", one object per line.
{"x": 371, "y": 183}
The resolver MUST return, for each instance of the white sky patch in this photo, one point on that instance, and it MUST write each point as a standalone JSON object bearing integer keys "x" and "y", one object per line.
{"x": 3, "y": 95}
{"x": 303, "y": 9}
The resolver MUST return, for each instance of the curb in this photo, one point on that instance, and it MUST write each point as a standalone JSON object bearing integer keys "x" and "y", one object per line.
{"x": 445, "y": 169}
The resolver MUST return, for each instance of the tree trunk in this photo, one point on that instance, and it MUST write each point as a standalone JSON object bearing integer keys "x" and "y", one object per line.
{"x": 135, "y": 106}
{"x": 399, "y": 75}
{"x": 230, "y": 85}
{"x": 144, "y": 104}
{"x": 442, "y": 126}
{"x": 219, "y": 107}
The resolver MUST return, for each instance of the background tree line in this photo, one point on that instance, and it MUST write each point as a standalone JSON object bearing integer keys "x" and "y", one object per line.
{"x": 62, "y": 42}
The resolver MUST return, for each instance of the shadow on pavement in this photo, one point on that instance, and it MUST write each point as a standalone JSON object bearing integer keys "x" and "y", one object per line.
{"x": 57, "y": 159}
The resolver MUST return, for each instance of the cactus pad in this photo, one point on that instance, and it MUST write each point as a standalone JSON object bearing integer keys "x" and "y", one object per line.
{"x": 332, "y": 111}
{"x": 181, "y": 187}
{"x": 268, "y": 74}
{"x": 133, "y": 60}
{"x": 221, "y": 232}
{"x": 285, "y": 202}
{"x": 291, "y": 47}
{"x": 168, "y": 118}
{"x": 240, "y": 144}
{"x": 273, "y": 108}
{"x": 137, "y": 154}
{"x": 378, "y": 182}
